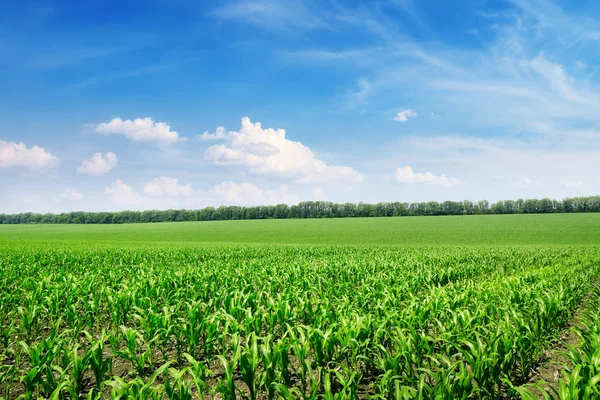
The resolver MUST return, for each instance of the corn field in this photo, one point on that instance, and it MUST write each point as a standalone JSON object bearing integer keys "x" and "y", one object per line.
{"x": 291, "y": 322}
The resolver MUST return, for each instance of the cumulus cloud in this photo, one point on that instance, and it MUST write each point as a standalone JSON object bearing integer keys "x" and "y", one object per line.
{"x": 160, "y": 193}
{"x": 123, "y": 194}
{"x": 403, "y": 115}
{"x": 406, "y": 175}
{"x": 167, "y": 187}
{"x": 245, "y": 193}
{"x": 140, "y": 130}
{"x": 219, "y": 134}
{"x": 163, "y": 193}
{"x": 269, "y": 152}
{"x": 99, "y": 164}
{"x": 125, "y": 197}
{"x": 19, "y": 155}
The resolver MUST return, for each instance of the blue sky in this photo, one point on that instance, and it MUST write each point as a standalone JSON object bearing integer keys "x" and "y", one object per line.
{"x": 180, "y": 104}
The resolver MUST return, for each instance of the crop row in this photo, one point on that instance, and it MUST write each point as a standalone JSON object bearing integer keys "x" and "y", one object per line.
{"x": 580, "y": 379}
{"x": 291, "y": 322}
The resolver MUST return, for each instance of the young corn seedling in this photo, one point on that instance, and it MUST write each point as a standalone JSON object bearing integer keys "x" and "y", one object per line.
{"x": 79, "y": 365}
{"x": 138, "y": 388}
{"x": 199, "y": 374}
{"x": 100, "y": 365}
{"x": 137, "y": 351}
{"x": 29, "y": 320}
{"x": 178, "y": 389}
{"x": 226, "y": 385}
{"x": 41, "y": 357}
{"x": 249, "y": 361}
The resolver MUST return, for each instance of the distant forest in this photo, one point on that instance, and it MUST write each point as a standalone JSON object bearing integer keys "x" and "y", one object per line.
{"x": 315, "y": 209}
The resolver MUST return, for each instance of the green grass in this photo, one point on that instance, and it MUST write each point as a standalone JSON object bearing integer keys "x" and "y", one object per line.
{"x": 488, "y": 230}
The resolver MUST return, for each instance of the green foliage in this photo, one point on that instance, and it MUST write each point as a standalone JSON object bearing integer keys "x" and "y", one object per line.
{"x": 311, "y": 322}
{"x": 315, "y": 209}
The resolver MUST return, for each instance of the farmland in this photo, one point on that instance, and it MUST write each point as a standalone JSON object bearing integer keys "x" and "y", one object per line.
{"x": 440, "y": 307}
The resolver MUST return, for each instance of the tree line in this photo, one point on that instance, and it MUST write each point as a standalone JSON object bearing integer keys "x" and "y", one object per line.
{"x": 315, "y": 209}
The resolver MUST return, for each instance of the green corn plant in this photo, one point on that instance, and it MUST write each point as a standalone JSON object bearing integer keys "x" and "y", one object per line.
{"x": 248, "y": 364}
{"x": 30, "y": 381}
{"x": 199, "y": 374}
{"x": 137, "y": 351}
{"x": 29, "y": 320}
{"x": 347, "y": 380}
{"x": 301, "y": 349}
{"x": 275, "y": 363}
{"x": 211, "y": 331}
{"x": 137, "y": 388}
{"x": 178, "y": 389}
{"x": 286, "y": 392}
{"x": 281, "y": 357}
{"x": 100, "y": 365}
{"x": 8, "y": 374}
{"x": 315, "y": 383}
{"x": 5, "y": 334}
{"x": 192, "y": 328}
{"x": 41, "y": 357}
{"x": 226, "y": 385}
{"x": 79, "y": 365}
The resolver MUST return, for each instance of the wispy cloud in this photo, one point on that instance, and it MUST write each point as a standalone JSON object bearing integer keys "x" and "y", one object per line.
{"x": 69, "y": 55}
{"x": 132, "y": 73}
{"x": 274, "y": 14}
{"x": 516, "y": 81}
{"x": 359, "y": 96}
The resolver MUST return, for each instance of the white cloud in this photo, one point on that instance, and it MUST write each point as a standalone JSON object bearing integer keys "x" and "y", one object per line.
{"x": 123, "y": 194}
{"x": 220, "y": 134}
{"x": 434, "y": 115}
{"x": 406, "y": 175}
{"x": 140, "y": 130}
{"x": 525, "y": 182}
{"x": 18, "y": 155}
{"x": 71, "y": 194}
{"x": 245, "y": 193}
{"x": 167, "y": 187}
{"x": 269, "y": 152}
{"x": 99, "y": 164}
{"x": 569, "y": 184}
{"x": 169, "y": 194}
{"x": 403, "y": 115}
{"x": 125, "y": 197}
